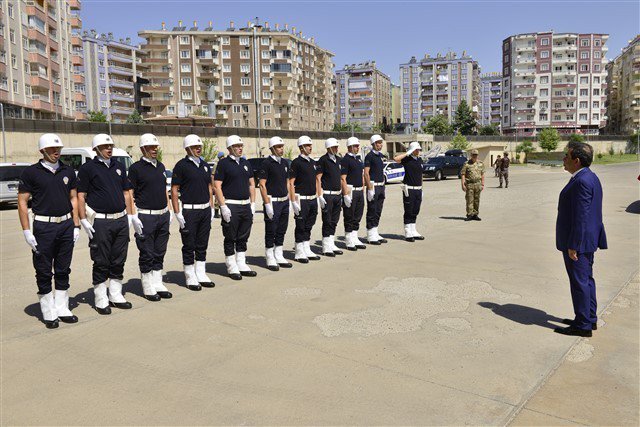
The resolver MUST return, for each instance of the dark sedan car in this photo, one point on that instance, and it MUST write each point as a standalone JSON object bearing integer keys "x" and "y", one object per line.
{"x": 442, "y": 167}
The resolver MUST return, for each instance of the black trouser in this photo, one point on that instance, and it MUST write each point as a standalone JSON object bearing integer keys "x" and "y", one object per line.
{"x": 55, "y": 247}
{"x": 305, "y": 220}
{"x": 374, "y": 207}
{"x": 412, "y": 204}
{"x": 276, "y": 227}
{"x": 195, "y": 235}
{"x": 108, "y": 248}
{"x": 331, "y": 214}
{"x": 152, "y": 244}
{"x": 236, "y": 232}
{"x": 353, "y": 215}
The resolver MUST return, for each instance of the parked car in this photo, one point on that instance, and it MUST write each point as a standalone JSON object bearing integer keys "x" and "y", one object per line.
{"x": 9, "y": 177}
{"x": 393, "y": 172}
{"x": 76, "y": 157}
{"x": 442, "y": 167}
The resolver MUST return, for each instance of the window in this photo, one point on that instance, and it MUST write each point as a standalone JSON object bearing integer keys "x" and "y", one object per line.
{"x": 3, "y": 56}
{"x": 226, "y": 68}
{"x": 584, "y": 54}
{"x": 236, "y": 109}
{"x": 186, "y": 94}
{"x": 264, "y": 41}
{"x": 245, "y": 68}
{"x": 582, "y": 117}
{"x": 596, "y": 92}
{"x": 244, "y": 54}
{"x": 25, "y": 43}
{"x": 15, "y": 87}
{"x": 236, "y": 123}
{"x": 544, "y": 67}
{"x": 544, "y": 92}
{"x": 597, "y": 42}
{"x": 596, "y": 104}
{"x": 185, "y": 54}
{"x": 245, "y": 81}
{"x": 266, "y": 94}
{"x": 596, "y": 67}
{"x": 225, "y": 40}
{"x": 544, "y": 54}
{"x": 25, "y": 65}
{"x": 544, "y": 42}
{"x": 265, "y": 54}
{"x": 544, "y": 79}
{"x": 584, "y": 80}
{"x": 544, "y": 104}
{"x": 583, "y": 104}
{"x": 266, "y": 109}
{"x": 14, "y": 62}
{"x": 265, "y": 68}
{"x": 185, "y": 68}
{"x": 584, "y": 42}
{"x": 584, "y": 67}
{"x": 226, "y": 81}
{"x": 101, "y": 75}
{"x": 596, "y": 54}
{"x": 184, "y": 39}
{"x": 227, "y": 94}
{"x": 266, "y": 81}
{"x": 244, "y": 41}
{"x": 12, "y": 36}
{"x": 584, "y": 92}
{"x": 185, "y": 81}
{"x": 246, "y": 94}
{"x": 595, "y": 116}
{"x": 267, "y": 123}
{"x": 544, "y": 117}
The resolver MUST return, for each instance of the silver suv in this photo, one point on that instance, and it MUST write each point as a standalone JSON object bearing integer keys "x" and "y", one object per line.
{"x": 9, "y": 176}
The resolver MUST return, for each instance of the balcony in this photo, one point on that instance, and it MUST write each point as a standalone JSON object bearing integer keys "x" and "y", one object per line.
{"x": 38, "y": 57}
{"x": 115, "y": 56}
{"x": 360, "y": 89}
{"x": 525, "y": 73}
{"x": 563, "y": 123}
{"x": 34, "y": 9}
{"x": 525, "y": 97}
{"x": 41, "y": 102}
{"x": 427, "y": 83}
{"x": 114, "y": 96}
{"x": 119, "y": 109}
{"x": 563, "y": 85}
{"x": 360, "y": 99}
{"x": 494, "y": 104}
{"x": 121, "y": 71}
{"x": 360, "y": 108}
{"x": 75, "y": 4}
{"x": 365, "y": 79}
{"x": 35, "y": 34}
{"x": 79, "y": 97}
{"x": 75, "y": 21}
{"x": 156, "y": 88}
{"x": 525, "y": 110}
{"x": 78, "y": 78}
{"x": 564, "y": 110}
{"x": 76, "y": 59}
{"x": 527, "y": 48}
{"x": 526, "y": 60}
{"x": 39, "y": 80}
{"x": 121, "y": 83}
{"x": 525, "y": 85}
{"x": 151, "y": 102}
{"x": 161, "y": 61}
{"x": 157, "y": 74}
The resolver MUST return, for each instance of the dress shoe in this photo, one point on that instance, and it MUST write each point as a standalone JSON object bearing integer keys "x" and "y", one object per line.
{"x": 155, "y": 297}
{"x": 207, "y": 284}
{"x": 68, "y": 319}
{"x": 594, "y": 326}
{"x": 165, "y": 294}
{"x": 418, "y": 237}
{"x": 410, "y": 239}
{"x": 329, "y": 254}
{"x": 249, "y": 273}
{"x": 337, "y": 252}
{"x": 361, "y": 247}
{"x": 51, "y": 324}
{"x": 476, "y": 218}
{"x": 500, "y": 186}
{"x": 302, "y": 260}
{"x": 103, "y": 311}
{"x": 352, "y": 248}
{"x": 273, "y": 267}
{"x": 121, "y": 305}
{"x": 235, "y": 276}
{"x": 468, "y": 218}
{"x": 383, "y": 240}
{"x": 313, "y": 258}
{"x": 570, "y": 330}
{"x": 375, "y": 242}
{"x": 285, "y": 264}
{"x": 194, "y": 287}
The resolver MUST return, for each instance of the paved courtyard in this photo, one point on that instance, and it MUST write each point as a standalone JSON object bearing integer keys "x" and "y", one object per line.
{"x": 456, "y": 329}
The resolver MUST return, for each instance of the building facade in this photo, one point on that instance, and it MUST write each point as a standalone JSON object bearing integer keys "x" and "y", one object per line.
{"x": 396, "y": 103}
{"x": 623, "y": 90}
{"x": 490, "y": 99}
{"x": 442, "y": 83}
{"x": 363, "y": 95}
{"x": 112, "y": 69}
{"x": 38, "y": 59}
{"x": 553, "y": 80}
{"x": 240, "y": 76}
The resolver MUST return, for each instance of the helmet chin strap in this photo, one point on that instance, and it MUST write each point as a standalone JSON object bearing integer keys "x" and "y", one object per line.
{"x": 46, "y": 156}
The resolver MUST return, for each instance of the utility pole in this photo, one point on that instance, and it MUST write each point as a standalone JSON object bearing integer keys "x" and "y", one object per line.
{"x": 4, "y": 141}
{"x": 256, "y": 84}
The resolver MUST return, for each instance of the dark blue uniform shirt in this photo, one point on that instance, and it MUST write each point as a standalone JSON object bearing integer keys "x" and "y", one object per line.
{"x": 376, "y": 164}
{"x": 276, "y": 174}
{"x": 149, "y": 184}
{"x": 104, "y": 185}
{"x": 193, "y": 180}
{"x": 331, "y": 172}
{"x": 305, "y": 172}
{"x": 412, "y": 171}
{"x": 352, "y": 167}
{"x": 235, "y": 177}
{"x": 49, "y": 191}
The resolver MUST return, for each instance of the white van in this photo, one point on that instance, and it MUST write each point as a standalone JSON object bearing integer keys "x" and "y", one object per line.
{"x": 76, "y": 157}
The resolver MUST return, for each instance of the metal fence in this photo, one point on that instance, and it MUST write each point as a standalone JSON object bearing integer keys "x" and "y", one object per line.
{"x": 502, "y": 138}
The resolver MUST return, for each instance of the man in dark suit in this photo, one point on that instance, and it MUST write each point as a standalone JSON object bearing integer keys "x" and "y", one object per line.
{"x": 579, "y": 233}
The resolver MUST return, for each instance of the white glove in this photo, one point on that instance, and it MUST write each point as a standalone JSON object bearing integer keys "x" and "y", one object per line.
{"x": 296, "y": 208}
{"x": 226, "y": 213}
{"x": 253, "y": 208}
{"x": 371, "y": 194}
{"x": 137, "y": 224}
{"x": 76, "y": 234}
{"x": 322, "y": 202}
{"x": 30, "y": 239}
{"x": 180, "y": 219}
{"x": 268, "y": 210}
{"x": 170, "y": 218}
{"x": 87, "y": 228}
{"x": 213, "y": 214}
{"x": 347, "y": 200}
{"x": 410, "y": 152}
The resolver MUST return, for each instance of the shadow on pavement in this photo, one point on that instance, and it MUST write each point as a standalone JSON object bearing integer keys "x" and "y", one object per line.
{"x": 393, "y": 236}
{"x": 85, "y": 297}
{"x": 8, "y": 206}
{"x": 133, "y": 286}
{"x": 455, "y": 218}
{"x": 522, "y": 314}
{"x": 34, "y": 311}
{"x": 634, "y": 207}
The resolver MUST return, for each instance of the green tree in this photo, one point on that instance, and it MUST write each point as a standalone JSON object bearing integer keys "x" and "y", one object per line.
{"x": 347, "y": 127}
{"x": 524, "y": 147}
{"x": 209, "y": 149}
{"x": 438, "y": 125}
{"x": 489, "y": 130}
{"x": 198, "y": 112}
{"x": 96, "y": 116}
{"x": 459, "y": 142}
{"x": 135, "y": 118}
{"x": 549, "y": 139}
{"x": 159, "y": 154}
{"x": 464, "y": 122}
{"x": 288, "y": 153}
{"x": 576, "y": 137}
{"x": 632, "y": 145}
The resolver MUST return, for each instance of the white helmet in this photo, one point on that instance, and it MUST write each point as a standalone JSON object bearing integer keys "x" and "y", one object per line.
{"x": 304, "y": 140}
{"x": 234, "y": 140}
{"x": 275, "y": 140}
{"x": 415, "y": 145}
{"x": 331, "y": 142}
{"x": 148, "y": 139}
{"x": 191, "y": 140}
{"x": 101, "y": 139}
{"x": 353, "y": 141}
{"x": 49, "y": 140}
{"x": 376, "y": 138}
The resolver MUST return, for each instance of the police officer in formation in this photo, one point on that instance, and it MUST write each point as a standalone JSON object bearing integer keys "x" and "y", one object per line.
{"x": 149, "y": 182}
{"x": 274, "y": 190}
{"x": 472, "y": 174}
{"x": 52, "y": 187}
{"x": 235, "y": 191}
{"x": 330, "y": 196}
{"x": 352, "y": 172}
{"x": 374, "y": 182}
{"x": 303, "y": 191}
{"x": 104, "y": 195}
{"x": 191, "y": 184}
{"x": 411, "y": 189}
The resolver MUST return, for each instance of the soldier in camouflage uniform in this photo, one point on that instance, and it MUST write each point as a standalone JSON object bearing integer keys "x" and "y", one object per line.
{"x": 504, "y": 170}
{"x": 472, "y": 184}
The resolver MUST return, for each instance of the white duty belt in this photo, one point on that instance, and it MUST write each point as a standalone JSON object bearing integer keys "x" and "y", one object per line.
{"x": 117, "y": 215}
{"x": 278, "y": 199}
{"x": 331, "y": 193}
{"x": 413, "y": 187}
{"x": 55, "y": 219}
{"x": 192, "y": 206}
{"x": 152, "y": 211}
{"x": 237, "y": 202}
{"x": 378, "y": 184}
{"x": 307, "y": 197}
{"x": 357, "y": 188}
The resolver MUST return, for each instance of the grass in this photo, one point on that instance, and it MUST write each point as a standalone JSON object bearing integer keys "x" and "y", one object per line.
{"x": 616, "y": 158}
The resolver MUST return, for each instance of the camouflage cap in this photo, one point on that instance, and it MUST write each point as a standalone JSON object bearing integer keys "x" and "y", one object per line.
{"x": 474, "y": 151}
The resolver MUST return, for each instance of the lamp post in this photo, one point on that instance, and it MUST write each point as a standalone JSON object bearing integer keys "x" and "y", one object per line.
{"x": 4, "y": 141}
{"x": 634, "y": 103}
{"x": 256, "y": 75}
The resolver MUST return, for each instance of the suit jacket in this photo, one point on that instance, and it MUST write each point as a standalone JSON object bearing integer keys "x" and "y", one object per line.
{"x": 579, "y": 225}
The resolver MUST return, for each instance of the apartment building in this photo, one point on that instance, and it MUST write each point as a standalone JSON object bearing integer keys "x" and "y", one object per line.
{"x": 623, "y": 90}
{"x": 490, "y": 99}
{"x": 553, "y": 80}
{"x": 112, "y": 69}
{"x": 363, "y": 95}
{"x": 37, "y": 59}
{"x": 240, "y": 76}
{"x": 396, "y": 103}
{"x": 437, "y": 85}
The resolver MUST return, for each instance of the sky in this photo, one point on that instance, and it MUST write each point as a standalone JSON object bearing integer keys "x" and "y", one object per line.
{"x": 388, "y": 32}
